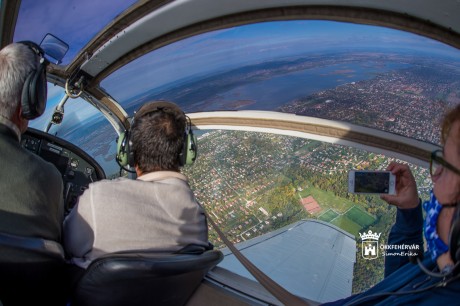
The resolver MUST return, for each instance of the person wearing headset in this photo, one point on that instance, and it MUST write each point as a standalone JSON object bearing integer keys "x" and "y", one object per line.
{"x": 157, "y": 211}
{"x": 435, "y": 280}
{"x": 31, "y": 189}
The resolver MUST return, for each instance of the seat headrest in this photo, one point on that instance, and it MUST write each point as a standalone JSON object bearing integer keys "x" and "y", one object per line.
{"x": 138, "y": 278}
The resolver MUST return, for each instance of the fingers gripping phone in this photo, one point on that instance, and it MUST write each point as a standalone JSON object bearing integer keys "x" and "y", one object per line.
{"x": 371, "y": 182}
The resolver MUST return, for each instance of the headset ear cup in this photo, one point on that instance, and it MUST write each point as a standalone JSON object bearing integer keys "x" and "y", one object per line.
{"x": 191, "y": 150}
{"x": 130, "y": 153}
{"x": 27, "y": 112}
{"x": 183, "y": 153}
{"x": 34, "y": 94}
{"x": 122, "y": 155}
{"x": 40, "y": 92}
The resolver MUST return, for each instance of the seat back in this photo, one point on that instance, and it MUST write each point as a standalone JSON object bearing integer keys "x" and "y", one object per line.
{"x": 31, "y": 271}
{"x": 143, "y": 278}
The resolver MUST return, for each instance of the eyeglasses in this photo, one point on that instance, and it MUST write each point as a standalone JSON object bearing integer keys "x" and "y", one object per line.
{"x": 438, "y": 161}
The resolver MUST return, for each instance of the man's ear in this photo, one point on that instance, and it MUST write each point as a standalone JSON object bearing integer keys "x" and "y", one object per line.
{"x": 20, "y": 121}
{"x": 138, "y": 171}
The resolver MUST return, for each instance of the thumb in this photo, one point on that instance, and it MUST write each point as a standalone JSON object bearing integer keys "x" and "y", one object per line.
{"x": 390, "y": 199}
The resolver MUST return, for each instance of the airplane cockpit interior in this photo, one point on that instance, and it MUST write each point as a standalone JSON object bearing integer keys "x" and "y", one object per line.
{"x": 284, "y": 99}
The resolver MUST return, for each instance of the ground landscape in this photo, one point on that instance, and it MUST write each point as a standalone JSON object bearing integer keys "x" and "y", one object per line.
{"x": 254, "y": 183}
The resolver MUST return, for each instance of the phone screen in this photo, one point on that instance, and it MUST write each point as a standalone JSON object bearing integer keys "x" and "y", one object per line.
{"x": 372, "y": 182}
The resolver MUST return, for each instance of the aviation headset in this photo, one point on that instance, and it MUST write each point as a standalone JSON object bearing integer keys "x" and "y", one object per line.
{"x": 125, "y": 155}
{"x": 34, "y": 91}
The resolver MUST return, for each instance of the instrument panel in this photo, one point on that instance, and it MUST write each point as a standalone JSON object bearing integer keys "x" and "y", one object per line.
{"x": 77, "y": 168}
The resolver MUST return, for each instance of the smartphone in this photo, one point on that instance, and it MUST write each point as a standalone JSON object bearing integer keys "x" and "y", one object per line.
{"x": 371, "y": 182}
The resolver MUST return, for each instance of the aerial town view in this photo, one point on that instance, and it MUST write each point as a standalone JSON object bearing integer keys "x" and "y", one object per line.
{"x": 254, "y": 183}
{"x": 397, "y": 101}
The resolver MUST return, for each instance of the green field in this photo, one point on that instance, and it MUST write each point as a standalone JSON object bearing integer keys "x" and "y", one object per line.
{"x": 347, "y": 225}
{"x": 360, "y": 217}
{"x": 352, "y": 221}
{"x": 328, "y": 216}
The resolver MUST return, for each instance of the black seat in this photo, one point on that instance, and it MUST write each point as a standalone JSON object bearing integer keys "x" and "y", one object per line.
{"x": 31, "y": 271}
{"x": 143, "y": 278}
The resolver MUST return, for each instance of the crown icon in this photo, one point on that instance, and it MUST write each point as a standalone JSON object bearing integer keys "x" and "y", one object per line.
{"x": 370, "y": 235}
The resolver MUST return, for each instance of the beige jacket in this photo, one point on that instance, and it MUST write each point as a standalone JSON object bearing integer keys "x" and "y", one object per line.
{"x": 158, "y": 212}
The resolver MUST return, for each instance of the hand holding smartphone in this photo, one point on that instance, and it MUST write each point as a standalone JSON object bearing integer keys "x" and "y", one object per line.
{"x": 371, "y": 182}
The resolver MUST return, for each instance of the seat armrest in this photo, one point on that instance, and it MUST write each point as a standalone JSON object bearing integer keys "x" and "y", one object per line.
{"x": 12, "y": 243}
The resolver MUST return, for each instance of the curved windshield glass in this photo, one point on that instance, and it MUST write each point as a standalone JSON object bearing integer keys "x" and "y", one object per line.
{"x": 84, "y": 126}
{"x": 367, "y": 75}
{"x": 76, "y": 22}
{"x": 263, "y": 190}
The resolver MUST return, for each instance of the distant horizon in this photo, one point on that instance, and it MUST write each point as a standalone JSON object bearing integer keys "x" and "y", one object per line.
{"x": 87, "y": 112}
{"x": 187, "y": 81}
{"x": 255, "y": 43}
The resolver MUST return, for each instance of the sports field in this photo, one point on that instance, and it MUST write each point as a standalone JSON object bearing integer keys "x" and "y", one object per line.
{"x": 347, "y": 225}
{"x": 359, "y": 216}
{"x": 328, "y": 216}
{"x": 353, "y": 221}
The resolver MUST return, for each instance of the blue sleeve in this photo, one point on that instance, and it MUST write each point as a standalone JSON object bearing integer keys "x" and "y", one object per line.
{"x": 407, "y": 230}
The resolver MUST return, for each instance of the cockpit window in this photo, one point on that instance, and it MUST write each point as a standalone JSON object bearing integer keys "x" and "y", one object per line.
{"x": 255, "y": 184}
{"x": 76, "y": 22}
{"x": 367, "y": 75}
{"x": 84, "y": 126}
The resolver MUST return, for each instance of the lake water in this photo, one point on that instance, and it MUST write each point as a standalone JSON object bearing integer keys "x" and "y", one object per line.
{"x": 271, "y": 93}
